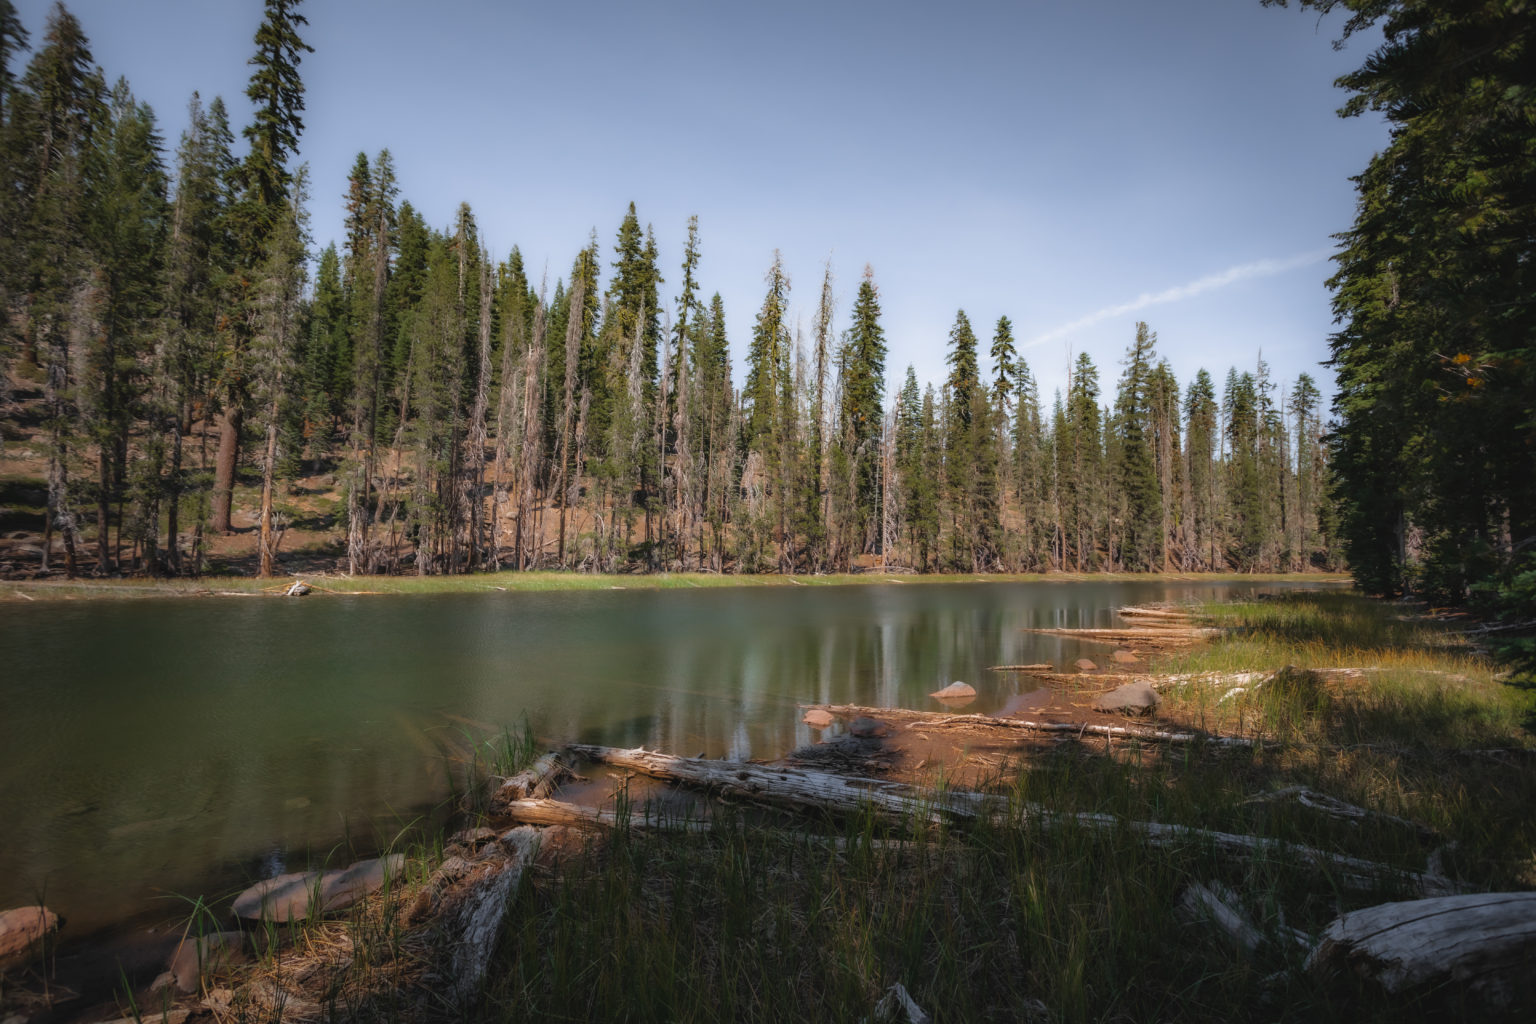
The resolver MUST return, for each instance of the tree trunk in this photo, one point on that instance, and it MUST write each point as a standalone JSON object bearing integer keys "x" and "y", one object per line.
{"x": 230, "y": 421}
{"x": 266, "y": 544}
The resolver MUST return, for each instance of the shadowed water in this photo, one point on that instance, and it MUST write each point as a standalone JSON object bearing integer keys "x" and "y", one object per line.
{"x": 151, "y": 747}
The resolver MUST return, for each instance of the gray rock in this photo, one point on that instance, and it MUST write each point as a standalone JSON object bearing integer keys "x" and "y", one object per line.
{"x": 202, "y": 955}
{"x": 284, "y": 898}
{"x": 341, "y": 889}
{"x": 21, "y": 931}
{"x": 1130, "y": 699}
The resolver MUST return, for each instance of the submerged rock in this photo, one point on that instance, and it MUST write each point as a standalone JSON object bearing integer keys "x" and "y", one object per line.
{"x": 1084, "y": 665}
{"x": 1130, "y": 699}
{"x": 21, "y": 931}
{"x": 299, "y": 894}
{"x": 203, "y": 955}
{"x": 865, "y": 727}
{"x": 817, "y": 719}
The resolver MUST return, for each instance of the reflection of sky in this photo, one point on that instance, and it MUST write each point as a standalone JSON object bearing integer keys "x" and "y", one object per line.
{"x": 200, "y": 733}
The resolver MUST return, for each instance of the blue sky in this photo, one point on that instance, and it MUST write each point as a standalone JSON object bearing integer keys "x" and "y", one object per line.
{"x": 1076, "y": 166}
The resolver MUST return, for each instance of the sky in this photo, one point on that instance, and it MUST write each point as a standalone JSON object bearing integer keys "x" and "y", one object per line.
{"x": 1076, "y": 166}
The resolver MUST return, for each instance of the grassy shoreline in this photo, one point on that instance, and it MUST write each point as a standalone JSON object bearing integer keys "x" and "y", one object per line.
{"x": 244, "y": 586}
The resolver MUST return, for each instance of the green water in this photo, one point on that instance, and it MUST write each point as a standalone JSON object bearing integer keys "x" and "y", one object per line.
{"x": 153, "y": 747}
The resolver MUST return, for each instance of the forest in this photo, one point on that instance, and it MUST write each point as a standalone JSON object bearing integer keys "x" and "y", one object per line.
{"x": 179, "y": 344}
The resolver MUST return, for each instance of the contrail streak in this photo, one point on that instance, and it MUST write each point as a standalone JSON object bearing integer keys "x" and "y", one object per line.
{"x": 1241, "y": 272}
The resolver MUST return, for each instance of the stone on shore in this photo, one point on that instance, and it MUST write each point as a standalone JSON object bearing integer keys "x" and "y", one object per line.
{"x": 21, "y": 931}
{"x": 341, "y": 889}
{"x": 955, "y": 691}
{"x": 293, "y": 896}
{"x": 1125, "y": 657}
{"x": 199, "y": 956}
{"x": 1131, "y": 699}
{"x": 817, "y": 719}
{"x": 1084, "y": 665}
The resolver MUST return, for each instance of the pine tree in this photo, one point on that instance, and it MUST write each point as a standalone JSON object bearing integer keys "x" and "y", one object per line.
{"x": 1135, "y": 469}
{"x": 1200, "y": 475}
{"x": 863, "y": 394}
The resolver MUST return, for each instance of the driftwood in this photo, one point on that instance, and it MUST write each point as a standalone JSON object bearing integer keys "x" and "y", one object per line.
{"x": 555, "y": 812}
{"x": 1217, "y": 905}
{"x": 537, "y": 780}
{"x": 1479, "y": 947}
{"x": 476, "y": 920}
{"x": 1043, "y": 666}
{"x": 802, "y": 789}
{"x": 1144, "y": 635}
{"x": 926, "y": 720}
{"x": 898, "y": 1005}
{"x": 1160, "y": 614}
{"x": 1336, "y": 808}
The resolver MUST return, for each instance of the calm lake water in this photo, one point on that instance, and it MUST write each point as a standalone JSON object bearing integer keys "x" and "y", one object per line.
{"x": 159, "y": 747}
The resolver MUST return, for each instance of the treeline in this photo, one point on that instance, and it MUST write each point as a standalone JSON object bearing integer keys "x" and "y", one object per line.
{"x": 474, "y": 419}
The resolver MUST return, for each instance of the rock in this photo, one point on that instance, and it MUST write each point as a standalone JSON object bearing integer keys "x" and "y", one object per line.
{"x": 867, "y": 728}
{"x": 284, "y": 898}
{"x": 21, "y": 931}
{"x": 291, "y": 897}
{"x": 1125, "y": 657}
{"x": 1130, "y": 699}
{"x": 817, "y": 719}
{"x": 1084, "y": 665}
{"x": 202, "y": 955}
{"x": 341, "y": 889}
{"x": 955, "y": 691}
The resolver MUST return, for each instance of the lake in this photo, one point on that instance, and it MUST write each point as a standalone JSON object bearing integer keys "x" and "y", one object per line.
{"x": 150, "y": 748}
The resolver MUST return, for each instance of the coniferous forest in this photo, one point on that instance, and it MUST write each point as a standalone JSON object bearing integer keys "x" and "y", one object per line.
{"x": 186, "y": 354}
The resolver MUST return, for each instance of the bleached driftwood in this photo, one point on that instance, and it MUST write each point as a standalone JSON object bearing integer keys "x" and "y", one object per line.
{"x": 797, "y": 788}
{"x": 1336, "y": 808}
{"x": 803, "y": 789}
{"x": 1160, "y": 635}
{"x": 1042, "y": 666}
{"x": 898, "y": 1005}
{"x": 1480, "y": 947}
{"x": 537, "y": 780}
{"x": 476, "y": 921}
{"x": 1217, "y": 905}
{"x": 555, "y": 812}
{"x": 1161, "y": 614}
{"x": 926, "y": 720}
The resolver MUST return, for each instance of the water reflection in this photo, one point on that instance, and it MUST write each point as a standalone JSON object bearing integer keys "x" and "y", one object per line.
{"x": 154, "y": 746}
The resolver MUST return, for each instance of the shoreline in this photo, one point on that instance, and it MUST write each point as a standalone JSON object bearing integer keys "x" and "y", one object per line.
{"x": 108, "y": 588}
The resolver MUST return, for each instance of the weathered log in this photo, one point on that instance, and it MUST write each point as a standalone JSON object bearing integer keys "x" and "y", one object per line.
{"x": 926, "y": 720}
{"x": 537, "y": 780}
{"x": 897, "y": 1005}
{"x": 1336, "y": 808}
{"x": 1162, "y": 614}
{"x": 555, "y": 812}
{"x": 1479, "y": 947}
{"x": 796, "y": 788}
{"x": 1139, "y": 634}
{"x": 1217, "y": 905}
{"x": 803, "y": 789}
{"x": 1043, "y": 666}
{"x": 476, "y": 921}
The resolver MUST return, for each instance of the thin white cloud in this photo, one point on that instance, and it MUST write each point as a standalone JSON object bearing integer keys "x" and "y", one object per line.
{"x": 1241, "y": 272}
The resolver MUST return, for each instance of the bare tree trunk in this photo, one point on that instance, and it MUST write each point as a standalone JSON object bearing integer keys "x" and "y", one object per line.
{"x": 266, "y": 547}
{"x": 573, "y": 332}
{"x": 230, "y": 421}
{"x": 173, "y": 513}
{"x": 474, "y": 474}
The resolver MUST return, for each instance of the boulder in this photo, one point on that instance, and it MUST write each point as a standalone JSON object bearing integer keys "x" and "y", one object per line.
{"x": 955, "y": 691}
{"x": 341, "y": 889}
{"x": 21, "y": 931}
{"x": 202, "y": 955}
{"x": 817, "y": 719}
{"x": 1125, "y": 657}
{"x": 284, "y": 898}
{"x": 1130, "y": 699}
{"x": 1084, "y": 665}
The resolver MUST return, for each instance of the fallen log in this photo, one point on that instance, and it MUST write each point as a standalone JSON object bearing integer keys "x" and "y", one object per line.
{"x": 803, "y": 789}
{"x": 926, "y": 720}
{"x": 1043, "y": 666}
{"x": 1336, "y": 808}
{"x": 537, "y": 780}
{"x": 1159, "y": 614}
{"x": 1143, "y": 634}
{"x": 1217, "y": 905}
{"x": 476, "y": 920}
{"x": 556, "y": 812}
{"x": 1477, "y": 948}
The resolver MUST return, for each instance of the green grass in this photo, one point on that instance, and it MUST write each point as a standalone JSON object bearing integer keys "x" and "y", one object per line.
{"x": 814, "y": 920}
